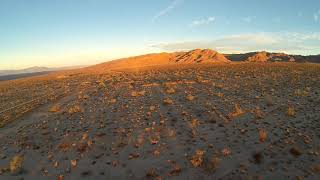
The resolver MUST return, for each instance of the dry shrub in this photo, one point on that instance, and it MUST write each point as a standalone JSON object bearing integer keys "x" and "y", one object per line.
{"x": 138, "y": 93}
{"x": 291, "y": 111}
{"x": 198, "y": 158}
{"x": 220, "y": 94}
{"x": 237, "y": 112}
{"x": 226, "y": 152}
{"x": 168, "y": 101}
{"x": 152, "y": 173}
{"x": 263, "y": 135}
{"x": 102, "y": 84}
{"x": 55, "y": 108}
{"x": 152, "y": 108}
{"x": 75, "y": 109}
{"x": 190, "y": 97}
{"x": 65, "y": 146}
{"x": 170, "y": 91}
{"x": 194, "y": 123}
{"x": 113, "y": 101}
{"x": 258, "y": 113}
{"x": 60, "y": 177}
{"x": 73, "y": 163}
{"x": 176, "y": 170}
{"x": 16, "y": 164}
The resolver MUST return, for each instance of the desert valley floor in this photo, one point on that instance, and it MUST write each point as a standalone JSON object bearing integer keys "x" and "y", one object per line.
{"x": 197, "y": 121}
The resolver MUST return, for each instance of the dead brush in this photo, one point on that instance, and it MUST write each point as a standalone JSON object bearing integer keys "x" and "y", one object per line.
{"x": 263, "y": 135}
{"x": 138, "y": 93}
{"x": 291, "y": 111}
{"x": 170, "y": 91}
{"x": 74, "y": 109}
{"x": 55, "y": 108}
{"x": 198, "y": 159}
{"x": 190, "y": 97}
{"x": 238, "y": 111}
{"x": 194, "y": 123}
{"x": 167, "y": 101}
{"x": 258, "y": 113}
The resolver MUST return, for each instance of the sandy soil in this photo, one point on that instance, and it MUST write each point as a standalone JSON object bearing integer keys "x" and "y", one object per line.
{"x": 233, "y": 121}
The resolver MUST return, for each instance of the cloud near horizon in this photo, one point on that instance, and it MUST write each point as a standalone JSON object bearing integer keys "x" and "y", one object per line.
{"x": 289, "y": 42}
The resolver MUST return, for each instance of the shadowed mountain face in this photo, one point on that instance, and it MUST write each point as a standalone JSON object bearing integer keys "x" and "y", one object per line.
{"x": 310, "y": 59}
{"x": 272, "y": 57}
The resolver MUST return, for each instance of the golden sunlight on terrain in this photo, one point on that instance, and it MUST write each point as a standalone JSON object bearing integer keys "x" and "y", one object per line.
{"x": 186, "y": 115}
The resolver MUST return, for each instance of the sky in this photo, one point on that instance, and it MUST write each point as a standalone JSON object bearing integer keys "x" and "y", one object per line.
{"x": 57, "y": 33}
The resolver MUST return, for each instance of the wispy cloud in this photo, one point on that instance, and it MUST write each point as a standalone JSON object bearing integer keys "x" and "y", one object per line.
{"x": 165, "y": 11}
{"x": 316, "y": 16}
{"x": 289, "y": 42}
{"x": 201, "y": 22}
{"x": 248, "y": 19}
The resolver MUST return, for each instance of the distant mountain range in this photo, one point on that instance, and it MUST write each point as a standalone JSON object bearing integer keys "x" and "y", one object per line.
{"x": 193, "y": 56}
{"x": 35, "y": 69}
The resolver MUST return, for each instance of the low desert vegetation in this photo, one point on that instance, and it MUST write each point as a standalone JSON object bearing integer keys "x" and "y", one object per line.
{"x": 222, "y": 121}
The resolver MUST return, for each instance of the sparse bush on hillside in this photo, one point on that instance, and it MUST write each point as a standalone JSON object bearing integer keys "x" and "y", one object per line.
{"x": 75, "y": 109}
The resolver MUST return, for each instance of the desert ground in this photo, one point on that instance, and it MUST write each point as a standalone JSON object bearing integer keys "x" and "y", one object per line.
{"x": 191, "y": 121}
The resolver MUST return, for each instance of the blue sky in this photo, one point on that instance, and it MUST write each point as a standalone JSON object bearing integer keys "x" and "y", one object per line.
{"x": 76, "y": 32}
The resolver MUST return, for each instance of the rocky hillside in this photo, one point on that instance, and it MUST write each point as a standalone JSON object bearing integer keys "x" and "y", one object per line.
{"x": 262, "y": 57}
{"x": 194, "y": 56}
